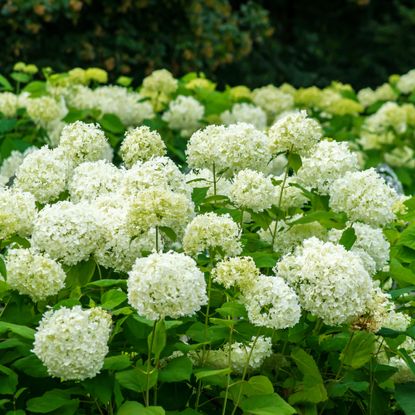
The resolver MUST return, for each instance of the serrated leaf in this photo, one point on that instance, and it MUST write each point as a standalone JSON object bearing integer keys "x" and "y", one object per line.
{"x": 177, "y": 370}
{"x": 119, "y": 362}
{"x": 360, "y": 350}
{"x": 271, "y": 404}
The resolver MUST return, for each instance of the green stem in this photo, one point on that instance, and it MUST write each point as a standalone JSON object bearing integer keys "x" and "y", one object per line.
{"x": 236, "y": 404}
{"x": 228, "y": 380}
{"x": 150, "y": 351}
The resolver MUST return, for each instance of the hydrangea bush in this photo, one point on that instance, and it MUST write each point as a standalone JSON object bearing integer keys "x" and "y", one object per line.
{"x": 174, "y": 249}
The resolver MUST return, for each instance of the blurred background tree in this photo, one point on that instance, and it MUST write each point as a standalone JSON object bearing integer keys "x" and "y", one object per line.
{"x": 251, "y": 42}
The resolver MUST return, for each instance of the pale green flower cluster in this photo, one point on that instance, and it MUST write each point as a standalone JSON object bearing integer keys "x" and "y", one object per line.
{"x": 166, "y": 285}
{"x": 295, "y": 132}
{"x": 34, "y": 274}
{"x": 141, "y": 144}
{"x": 247, "y": 113}
{"x": 272, "y": 100}
{"x": 44, "y": 110}
{"x": 184, "y": 115}
{"x": 72, "y": 342}
{"x": 213, "y": 233}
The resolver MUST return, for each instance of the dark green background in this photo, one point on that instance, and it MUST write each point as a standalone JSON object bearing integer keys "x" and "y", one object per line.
{"x": 303, "y": 42}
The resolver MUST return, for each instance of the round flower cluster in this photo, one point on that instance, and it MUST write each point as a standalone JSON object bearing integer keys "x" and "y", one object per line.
{"x": 247, "y": 113}
{"x": 67, "y": 232}
{"x": 328, "y": 161}
{"x": 230, "y": 149}
{"x": 211, "y": 232}
{"x": 272, "y": 100}
{"x": 34, "y": 274}
{"x": 158, "y": 206}
{"x": 45, "y": 109}
{"x": 184, "y": 114}
{"x": 271, "y": 303}
{"x": 156, "y": 172}
{"x": 10, "y": 165}
{"x": 72, "y": 343}
{"x": 368, "y": 96}
{"x": 370, "y": 244}
{"x": 17, "y": 212}
{"x": 294, "y": 132}
{"x": 9, "y": 104}
{"x": 166, "y": 285}
{"x": 252, "y": 190}
{"x": 116, "y": 249}
{"x": 364, "y": 196}
{"x": 44, "y": 174}
{"x": 331, "y": 283}
{"x": 141, "y": 144}
{"x": 239, "y": 271}
{"x": 92, "y": 179}
{"x": 406, "y": 83}
{"x": 401, "y": 157}
{"x": 83, "y": 142}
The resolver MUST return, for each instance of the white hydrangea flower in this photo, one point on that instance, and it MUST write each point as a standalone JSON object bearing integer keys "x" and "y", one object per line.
{"x": 257, "y": 350}
{"x": 34, "y": 274}
{"x": 401, "y": 157}
{"x": 239, "y": 271}
{"x": 364, "y": 196}
{"x": 327, "y": 161}
{"x": 371, "y": 245}
{"x": 92, "y": 179}
{"x": 272, "y": 100}
{"x": 271, "y": 303}
{"x": 406, "y": 83}
{"x": 158, "y": 206}
{"x": 330, "y": 281}
{"x": 210, "y": 231}
{"x": 247, "y": 113}
{"x": 275, "y": 167}
{"x": 160, "y": 80}
{"x": 230, "y": 149}
{"x": 83, "y": 142}
{"x": 252, "y": 190}
{"x": 156, "y": 172}
{"x": 141, "y": 144}
{"x": 294, "y": 132}
{"x": 11, "y": 164}
{"x": 67, "y": 232}
{"x": 116, "y": 248}
{"x": 44, "y": 110}
{"x": 72, "y": 343}
{"x": 17, "y": 212}
{"x": 184, "y": 114}
{"x": 289, "y": 236}
{"x": 43, "y": 173}
{"x": 166, "y": 285}
{"x": 9, "y": 104}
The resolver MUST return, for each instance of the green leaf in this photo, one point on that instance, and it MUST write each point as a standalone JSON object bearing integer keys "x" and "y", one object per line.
{"x": 112, "y": 123}
{"x": 7, "y": 124}
{"x": 50, "y": 401}
{"x": 169, "y": 232}
{"x": 35, "y": 88}
{"x": 136, "y": 379}
{"x": 407, "y": 237}
{"x": 80, "y": 274}
{"x": 311, "y": 389}
{"x": 408, "y": 360}
{"x": 8, "y": 381}
{"x": 294, "y": 161}
{"x": 199, "y": 194}
{"x": 107, "y": 283}
{"x": 113, "y": 298}
{"x": 271, "y": 404}
{"x": 3, "y": 270}
{"x": 23, "y": 331}
{"x": 405, "y": 396}
{"x": 206, "y": 373}
{"x": 32, "y": 366}
{"x": 401, "y": 273}
{"x": 177, "y": 370}
{"x": 130, "y": 408}
{"x": 100, "y": 387}
{"x": 264, "y": 259}
{"x": 5, "y": 83}
{"x": 327, "y": 219}
{"x": 360, "y": 350}
{"x": 232, "y": 309}
{"x": 119, "y": 362}
{"x": 20, "y": 77}
{"x": 348, "y": 238}
{"x": 157, "y": 339}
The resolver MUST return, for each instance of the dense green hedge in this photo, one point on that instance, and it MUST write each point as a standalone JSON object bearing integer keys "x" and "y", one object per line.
{"x": 249, "y": 42}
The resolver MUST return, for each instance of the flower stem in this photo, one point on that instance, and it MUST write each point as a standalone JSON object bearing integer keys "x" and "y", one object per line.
{"x": 150, "y": 351}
